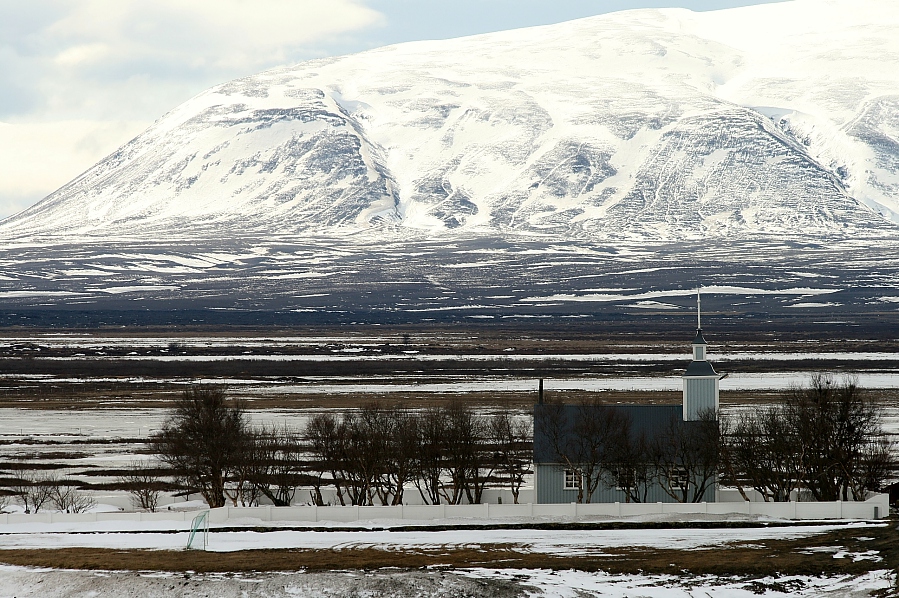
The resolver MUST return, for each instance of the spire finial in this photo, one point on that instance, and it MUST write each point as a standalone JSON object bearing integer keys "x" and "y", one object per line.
{"x": 698, "y": 309}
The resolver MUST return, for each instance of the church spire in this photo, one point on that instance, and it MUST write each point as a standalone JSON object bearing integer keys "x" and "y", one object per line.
{"x": 698, "y": 309}
{"x": 699, "y": 343}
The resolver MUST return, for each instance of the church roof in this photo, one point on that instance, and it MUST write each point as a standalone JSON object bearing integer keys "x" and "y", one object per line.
{"x": 699, "y": 340}
{"x": 700, "y": 368}
{"x": 644, "y": 420}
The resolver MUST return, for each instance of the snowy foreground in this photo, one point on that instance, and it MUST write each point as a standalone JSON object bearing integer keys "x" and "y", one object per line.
{"x": 21, "y": 581}
{"x": 434, "y": 581}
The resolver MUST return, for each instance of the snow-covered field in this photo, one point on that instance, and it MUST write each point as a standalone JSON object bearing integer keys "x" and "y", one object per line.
{"x": 475, "y": 583}
{"x": 432, "y": 581}
{"x": 471, "y": 384}
{"x": 436, "y": 581}
{"x": 575, "y": 584}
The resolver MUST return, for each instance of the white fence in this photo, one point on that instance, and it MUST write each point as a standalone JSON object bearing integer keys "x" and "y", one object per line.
{"x": 875, "y": 507}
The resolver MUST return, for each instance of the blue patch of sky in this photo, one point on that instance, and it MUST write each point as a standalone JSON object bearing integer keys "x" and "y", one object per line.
{"x": 413, "y": 20}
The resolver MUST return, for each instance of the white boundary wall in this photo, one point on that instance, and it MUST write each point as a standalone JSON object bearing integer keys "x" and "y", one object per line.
{"x": 875, "y": 507}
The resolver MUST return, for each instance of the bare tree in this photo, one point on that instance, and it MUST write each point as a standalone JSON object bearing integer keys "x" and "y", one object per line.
{"x": 687, "y": 457}
{"x": 143, "y": 486}
{"x": 876, "y": 464}
{"x": 34, "y": 491}
{"x": 324, "y": 438}
{"x": 586, "y": 439}
{"x": 370, "y": 454}
{"x": 826, "y": 437}
{"x": 360, "y": 456}
{"x": 241, "y": 486}
{"x": 634, "y": 467}
{"x": 403, "y": 444}
{"x": 835, "y": 423}
{"x": 372, "y": 434}
{"x": 204, "y": 441}
{"x": 430, "y": 452}
{"x": 463, "y": 458}
{"x": 763, "y": 451}
{"x": 277, "y": 465}
{"x": 66, "y": 497}
{"x": 514, "y": 450}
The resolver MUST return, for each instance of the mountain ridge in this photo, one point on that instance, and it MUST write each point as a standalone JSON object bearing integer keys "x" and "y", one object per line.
{"x": 635, "y": 125}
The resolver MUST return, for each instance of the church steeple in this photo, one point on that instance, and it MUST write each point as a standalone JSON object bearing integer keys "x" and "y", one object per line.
{"x": 700, "y": 379}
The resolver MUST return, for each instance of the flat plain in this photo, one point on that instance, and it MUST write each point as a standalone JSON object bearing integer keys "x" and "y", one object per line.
{"x": 85, "y": 402}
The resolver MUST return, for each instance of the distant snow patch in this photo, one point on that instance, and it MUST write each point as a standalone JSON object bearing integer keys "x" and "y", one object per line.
{"x": 134, "y": 289}
{"x": 714, "y": 290}
{"x": 814, "y": 304}
{"x": 653, "y": 305}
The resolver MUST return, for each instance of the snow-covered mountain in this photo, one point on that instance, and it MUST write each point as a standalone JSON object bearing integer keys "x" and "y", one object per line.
{"x": 657, "y": 124}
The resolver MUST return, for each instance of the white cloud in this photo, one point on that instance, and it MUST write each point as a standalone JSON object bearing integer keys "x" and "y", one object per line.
{"x": 80, "y": 78}
{"x": 81, "y": 54}
{"x": 219, "y": 34}
{"x": 38, "y": 158}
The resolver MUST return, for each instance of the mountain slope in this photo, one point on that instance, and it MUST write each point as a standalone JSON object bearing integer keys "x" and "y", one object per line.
{"x": 668, "y": 124}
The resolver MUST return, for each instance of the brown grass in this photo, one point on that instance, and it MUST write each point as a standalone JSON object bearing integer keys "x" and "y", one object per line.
{"x": 759, "y": 558}
{"x": 100, "y": 399}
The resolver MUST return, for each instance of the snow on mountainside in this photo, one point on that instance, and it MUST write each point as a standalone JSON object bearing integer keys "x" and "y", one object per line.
{"x": 658, "y": 124}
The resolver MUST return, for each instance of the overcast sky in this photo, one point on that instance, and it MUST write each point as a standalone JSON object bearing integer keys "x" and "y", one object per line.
{"x": 80, "y": 77}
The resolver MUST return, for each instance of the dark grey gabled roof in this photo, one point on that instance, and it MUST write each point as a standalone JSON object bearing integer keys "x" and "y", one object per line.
{"x": 645, "y": 420}
{"x": 700, "y": 368}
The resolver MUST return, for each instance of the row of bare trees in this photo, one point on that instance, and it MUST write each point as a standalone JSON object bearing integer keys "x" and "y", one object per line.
{"x": 211, "y": 448}
{"x": 368, "y": 455}
{"x": 448, "y": 453}
{"x": 34, "y": 492}
{"x": 826, "y": 439}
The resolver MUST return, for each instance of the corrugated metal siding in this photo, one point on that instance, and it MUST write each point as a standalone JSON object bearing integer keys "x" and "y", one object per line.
{"x": 549, "y": 482}
{"x": 699, "y": 394}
